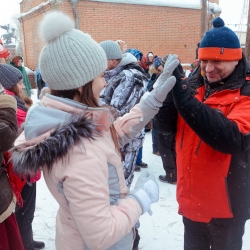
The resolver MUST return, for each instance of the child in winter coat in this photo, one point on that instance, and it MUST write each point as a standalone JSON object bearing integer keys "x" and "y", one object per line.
{"x": 76, "y": 142}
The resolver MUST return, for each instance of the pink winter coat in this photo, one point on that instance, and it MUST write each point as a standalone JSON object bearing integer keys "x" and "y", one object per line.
{"x": 83, "y": 171}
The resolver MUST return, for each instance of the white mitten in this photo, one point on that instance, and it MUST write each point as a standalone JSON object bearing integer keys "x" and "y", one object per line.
{"x": 146, "y": 191}
{"x": 32, "y": 92}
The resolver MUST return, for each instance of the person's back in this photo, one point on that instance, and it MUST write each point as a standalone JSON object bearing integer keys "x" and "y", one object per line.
{"x": 124, "y": 90}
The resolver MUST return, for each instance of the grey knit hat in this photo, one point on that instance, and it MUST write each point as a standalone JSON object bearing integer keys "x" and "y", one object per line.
{"x": 112, "y": 49}
{"x": 71, "y": 58}
{"x": 9, "y": 76}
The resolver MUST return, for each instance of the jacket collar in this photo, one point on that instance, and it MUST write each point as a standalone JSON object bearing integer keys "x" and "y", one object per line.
{"x": 234, "y": 81}
{"x": 101, "y": 116}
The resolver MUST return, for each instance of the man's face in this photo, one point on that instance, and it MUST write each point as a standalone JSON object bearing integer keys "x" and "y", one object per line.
{"x": 217, "y": 70}
{"x": 113, "y": 63}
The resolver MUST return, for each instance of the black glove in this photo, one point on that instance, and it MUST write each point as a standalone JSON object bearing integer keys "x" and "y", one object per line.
{"x": 178, "y": 75}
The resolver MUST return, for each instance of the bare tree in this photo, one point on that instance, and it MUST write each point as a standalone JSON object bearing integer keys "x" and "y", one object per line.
{"x": 15, "y": 23}
{"x": 203, "y": 17}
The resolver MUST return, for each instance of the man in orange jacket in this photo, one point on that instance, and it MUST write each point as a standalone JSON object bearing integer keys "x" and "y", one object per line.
{"x": 213, "y": 144}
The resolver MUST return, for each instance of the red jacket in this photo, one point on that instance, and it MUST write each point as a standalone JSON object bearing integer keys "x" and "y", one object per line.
{"x": 20, "y": 114}
{"x": 202, "y": 170}
{"x": 212, "y": 145}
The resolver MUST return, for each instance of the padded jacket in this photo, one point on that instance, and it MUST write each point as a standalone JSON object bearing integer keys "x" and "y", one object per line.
{"x": 83, "y": 171}
{"x": 213, "y": 146}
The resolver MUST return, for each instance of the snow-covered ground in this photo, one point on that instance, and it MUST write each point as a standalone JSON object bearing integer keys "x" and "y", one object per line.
{"x": 161, "y": 231}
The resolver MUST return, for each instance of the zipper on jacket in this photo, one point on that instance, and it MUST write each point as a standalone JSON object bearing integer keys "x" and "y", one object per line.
{"x": 198, "y": 148}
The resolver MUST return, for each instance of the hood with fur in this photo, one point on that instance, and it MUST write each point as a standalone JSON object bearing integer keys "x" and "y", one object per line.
{"x": 52, "y": 128}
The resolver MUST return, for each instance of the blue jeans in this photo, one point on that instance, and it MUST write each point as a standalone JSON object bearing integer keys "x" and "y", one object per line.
{"x": 139, "y": 156}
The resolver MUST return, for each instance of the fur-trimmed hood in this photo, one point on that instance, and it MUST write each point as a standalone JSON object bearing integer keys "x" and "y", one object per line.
{"x": 52, "y": 128}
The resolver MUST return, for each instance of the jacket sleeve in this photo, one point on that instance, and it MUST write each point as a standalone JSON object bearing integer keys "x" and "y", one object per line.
{"x": 227, "y": 134}
{"x": 165, "y": 121}
{"x": 8, "y": 122}
{"x": 129, "y": 125}
{"x": 87, "y": 192}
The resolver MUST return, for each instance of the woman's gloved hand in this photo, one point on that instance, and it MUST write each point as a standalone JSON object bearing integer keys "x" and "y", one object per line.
{"x": 146, "y": 191}
{"x": 162, "y": 86}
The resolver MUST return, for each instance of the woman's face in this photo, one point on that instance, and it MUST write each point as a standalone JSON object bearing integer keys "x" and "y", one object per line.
{"x": 20, "y": 63}
{"x": 20, "y": 86}
{"x": 150, "y": 58}
{"x": 97, "y": 86}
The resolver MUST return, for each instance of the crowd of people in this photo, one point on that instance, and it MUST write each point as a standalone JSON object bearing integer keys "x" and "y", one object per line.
{"x": 90, "y": 142}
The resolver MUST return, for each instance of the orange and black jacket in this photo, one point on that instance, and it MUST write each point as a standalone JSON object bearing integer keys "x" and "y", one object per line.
{"x": 213, "y": 146}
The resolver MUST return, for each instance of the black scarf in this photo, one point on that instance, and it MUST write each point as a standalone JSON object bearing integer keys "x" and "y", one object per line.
{"x": 21, "y": 104}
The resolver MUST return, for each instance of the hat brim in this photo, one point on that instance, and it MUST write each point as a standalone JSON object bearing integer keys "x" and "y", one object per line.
{"x": 220, "y": 54}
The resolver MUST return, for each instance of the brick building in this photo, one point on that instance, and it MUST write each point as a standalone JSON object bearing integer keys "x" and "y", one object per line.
{"x": 166, "y": 28}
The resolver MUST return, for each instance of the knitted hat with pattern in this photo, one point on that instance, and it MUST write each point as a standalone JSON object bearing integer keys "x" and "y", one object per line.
{"x": 111, "y": 49}
{"x": 9, "y": 76}
{"x": 157, "y": 61}
{"x": 135, "y": 52}
{"x": 70, "y": 59}
{"x": 220, "y": 43}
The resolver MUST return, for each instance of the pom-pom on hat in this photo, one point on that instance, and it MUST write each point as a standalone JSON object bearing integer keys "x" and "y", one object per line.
{"x": 220, "y": 43}
{"x": 70, "y": 59}
{"x": 9, "y": 76}
{"x": 111, "y": 49}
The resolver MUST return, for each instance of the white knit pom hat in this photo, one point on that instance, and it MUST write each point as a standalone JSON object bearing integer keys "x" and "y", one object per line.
{"x": 71, "y": 58}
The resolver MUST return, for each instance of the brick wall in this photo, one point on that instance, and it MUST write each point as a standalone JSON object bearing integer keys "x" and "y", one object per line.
{"x": 161, "y": 30}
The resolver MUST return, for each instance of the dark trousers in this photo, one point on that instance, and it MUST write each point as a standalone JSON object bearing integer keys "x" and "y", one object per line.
{"x": 213, "y": 235}
{"x": 167, "y": 151}
{"x": 25, "y": 215}
{"x": 155, "y": 139}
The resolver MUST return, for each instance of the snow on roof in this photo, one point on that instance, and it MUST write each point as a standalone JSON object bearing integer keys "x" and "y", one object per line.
{"x": 35, "y": 9}
{"x": 190, "y": 4}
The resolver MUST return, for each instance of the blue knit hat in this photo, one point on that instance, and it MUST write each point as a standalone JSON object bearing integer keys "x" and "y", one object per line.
{"x": 9, "y": 76}
{"x": 157, "y": 61}
{"x": 220, "y": 43}
{"x": 135, "y": 52}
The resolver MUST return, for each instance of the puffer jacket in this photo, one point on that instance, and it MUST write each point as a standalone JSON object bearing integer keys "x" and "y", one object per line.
{"x": 125, "y": 87}
{"x": 213, "y": 147}
{"x": 82, "y": 170}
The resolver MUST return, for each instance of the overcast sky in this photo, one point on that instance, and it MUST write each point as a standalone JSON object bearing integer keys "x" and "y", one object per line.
{"x": 231, "y": 10}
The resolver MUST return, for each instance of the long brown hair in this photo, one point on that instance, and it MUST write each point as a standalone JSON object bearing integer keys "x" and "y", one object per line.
{"x": 16, "y": 91}
{"x": 86, "y": 96}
